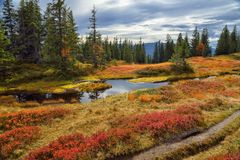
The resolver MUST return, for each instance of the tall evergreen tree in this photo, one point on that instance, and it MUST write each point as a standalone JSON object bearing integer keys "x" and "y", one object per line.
{"x": 182, "y": 46}
{"x": 28, "y": 40}
{"x": 4, "y": 42}
{"x": 156, "y": 54}
{"x": 223, "y": 45}
{"x": 179, "y": 44}
{"x": 95, "y": 39}
{"x": 194, "y": 42}
{"x": 169, "y": 48}
{"x": 61, "y": 39}
{"x": 140, "y": 52}
{"x": 179, "y": 40}
{"x": 161, "y": 52}
{"x": 59, "y": 13}
{"x": 238, "y": 43}
{"x": 71, "y": 39}
{"x": 50, "y": 49}
{"x": 233, "y": 40}
{"x": 205, "y": 42}
{"x": 9, "y": 19}
{"x": 107, "y": 49}
{"x": 187, "y": 52}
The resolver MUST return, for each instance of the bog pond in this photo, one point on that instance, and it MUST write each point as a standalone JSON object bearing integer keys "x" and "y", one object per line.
{"x": 118, "y": 87}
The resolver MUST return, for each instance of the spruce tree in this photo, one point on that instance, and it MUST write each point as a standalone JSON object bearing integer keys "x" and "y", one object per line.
{"x": 186, "y": 52}
{"x": 61, "y": 41}
{"x": 29, "y": 37}
{"x": 238, "y": 43}
{"x": 161, "y": 52}
{"x": 58, "y": 13}
{"x": 194, "y": 42}
{"x": 205, "y": 42}
{"x": 233, "y": 41}
{"x": 178, "y": 58}
{"x": 71, "y": 39}
{"x": 115, "y": 49}
{"x": 169, "y": 48}
{"x": 223, "y": 45}
{"x": 107, "y": 49}
{"x": 50, "y": 49}
{"x": 156, "y": 56}
{"x": 179, "y": 44}
{"x": 5, "y": 56}
{"x": 95, "y": 39}
{"x": 9, "y": 19}
{"x": 179, "y": 40}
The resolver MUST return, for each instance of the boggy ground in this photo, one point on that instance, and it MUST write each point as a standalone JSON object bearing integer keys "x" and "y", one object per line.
{"x": 43, "y": 78}
{"x": 120, "y": 124}
{"x": 203, "y": 67}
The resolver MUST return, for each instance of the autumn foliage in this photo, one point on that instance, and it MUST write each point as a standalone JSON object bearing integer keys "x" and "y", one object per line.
{"x": 15, "y": 139}
{"x": 30, "y": 118}
{"x": 227, "y": 157}
{"x": 124, "y": 138}
{"x": 201, "y": 49}
{"x": 161, "y": 124}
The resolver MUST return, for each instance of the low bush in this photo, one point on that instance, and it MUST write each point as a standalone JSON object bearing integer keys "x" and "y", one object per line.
{"x": 166, "y": 123}
{"x": 200, "y": 88}
{"x": 226, "y": 157}
{"x": 30, "y": 118}
{"x": 29, "y": 104}
{"x": 152, "y": 71}
{"x": 215, "y": 103}
{"x": 166, "y": 94}
{"x": 131, "y": 134}
{"x": 7, "y": 100}
{"x": 16, "y": 139}
{"x": 132, "y": 97}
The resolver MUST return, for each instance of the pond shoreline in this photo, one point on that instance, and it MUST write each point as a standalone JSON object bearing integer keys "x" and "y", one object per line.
{"x": 87, "y": 96}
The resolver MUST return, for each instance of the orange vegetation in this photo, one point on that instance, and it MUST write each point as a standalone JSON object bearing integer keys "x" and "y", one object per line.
{"x": 203, "y": 66}
{"x": 198, "y": 89}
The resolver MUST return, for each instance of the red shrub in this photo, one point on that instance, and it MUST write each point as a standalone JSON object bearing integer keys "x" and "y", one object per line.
{"x": 76, "y": 146}
{"x": 159, "y": 124}
{"x": 30, "y": 118}
{"x": 16, "y": 139}
{"x": 193, "y": 108}
{"x": 227, "y": 157}
{"x": 168, "y": 122}
{"x": 65, "y": 147}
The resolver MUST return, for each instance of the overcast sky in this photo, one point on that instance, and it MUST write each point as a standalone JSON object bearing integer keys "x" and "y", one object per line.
{"x": 153, "y": 19}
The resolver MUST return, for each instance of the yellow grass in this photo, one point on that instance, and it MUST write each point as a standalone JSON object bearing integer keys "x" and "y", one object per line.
{"x": 209, "y": 66}
{"x": 92, "y": 117}
{"x": 230, "y": 144}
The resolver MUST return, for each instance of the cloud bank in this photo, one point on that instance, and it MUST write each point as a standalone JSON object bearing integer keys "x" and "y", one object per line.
{"x": 153, "y": 19}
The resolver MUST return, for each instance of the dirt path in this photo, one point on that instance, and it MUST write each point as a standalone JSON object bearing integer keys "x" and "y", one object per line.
{"x": 165, "y": 148}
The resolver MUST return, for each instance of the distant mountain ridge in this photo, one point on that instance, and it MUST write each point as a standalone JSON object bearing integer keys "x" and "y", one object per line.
{"x": 149, "y": 47}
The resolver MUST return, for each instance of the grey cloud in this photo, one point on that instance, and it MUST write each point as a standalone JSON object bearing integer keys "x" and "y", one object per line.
{"x": 156, "y": 16}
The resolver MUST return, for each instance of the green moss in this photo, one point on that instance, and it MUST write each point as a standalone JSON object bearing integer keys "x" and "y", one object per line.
{"x": 151, "y": 79}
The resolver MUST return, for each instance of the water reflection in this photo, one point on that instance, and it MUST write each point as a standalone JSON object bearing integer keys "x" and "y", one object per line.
{"x": 118, "y": 87}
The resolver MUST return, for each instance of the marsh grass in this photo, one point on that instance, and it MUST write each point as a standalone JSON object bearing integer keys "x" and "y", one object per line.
{"x": 230, "y": 145}
{"x": 102, "y": 114}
